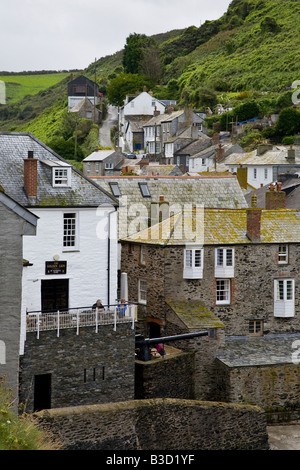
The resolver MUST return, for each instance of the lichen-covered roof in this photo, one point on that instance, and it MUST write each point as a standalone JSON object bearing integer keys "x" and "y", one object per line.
{"x": 194, "y": 314}
{"x": 212, "y": 191}
{"x": 221, "y": 227}
{"x": 14, "y": 149}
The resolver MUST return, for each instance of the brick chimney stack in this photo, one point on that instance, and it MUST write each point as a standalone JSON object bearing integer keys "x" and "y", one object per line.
{"x": 30, "y": 175}
{"x": 220, "y": 152}
{"x": 253, "y": 224}
{"x": 275, "y": 199}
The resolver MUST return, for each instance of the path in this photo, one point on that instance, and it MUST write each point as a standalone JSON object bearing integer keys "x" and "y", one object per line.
{"x": 110, "y": 121}
{"x": 284, "y": 437}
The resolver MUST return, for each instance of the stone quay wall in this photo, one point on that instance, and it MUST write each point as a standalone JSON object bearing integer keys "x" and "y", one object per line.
{"x": 159, "y": 424}
{"x": 91, "y": 367}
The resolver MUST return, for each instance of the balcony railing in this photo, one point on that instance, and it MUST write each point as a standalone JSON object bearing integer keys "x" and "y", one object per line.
{"x": 81, "y": 317}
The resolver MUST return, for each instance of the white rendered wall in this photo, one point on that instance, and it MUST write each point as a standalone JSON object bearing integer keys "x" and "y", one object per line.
{"x": 260, "y": 174}
{"x": 142, "y": 104}
{"x": 87, "y": 265}
{"x": 197, "y": 165}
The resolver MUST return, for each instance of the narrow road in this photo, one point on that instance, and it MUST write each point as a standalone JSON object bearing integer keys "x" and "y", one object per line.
{"x": 110, "y": 121}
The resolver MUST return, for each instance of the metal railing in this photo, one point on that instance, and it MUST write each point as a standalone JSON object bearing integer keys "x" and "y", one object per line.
{"x": 81, "y": 317}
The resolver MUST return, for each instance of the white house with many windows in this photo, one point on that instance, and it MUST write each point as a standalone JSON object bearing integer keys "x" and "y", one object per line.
{"x": 72, "y": 261}
{"x": 264, "y": 164}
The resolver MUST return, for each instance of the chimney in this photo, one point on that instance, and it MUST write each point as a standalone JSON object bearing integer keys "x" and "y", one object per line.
{"x": 253, "y": 224}
{"x": 143, "y": 163}
{"x": 194, "y": 131}
{"x": 220, "y": 152}
{"x": 241, "y": 174}
{"x": 263, "y": 148}
{"x": 156, "y": 112}
{"x": 30, "y": 174}
{"x": 275, "y": 199}
{"x": 291, "y": 155}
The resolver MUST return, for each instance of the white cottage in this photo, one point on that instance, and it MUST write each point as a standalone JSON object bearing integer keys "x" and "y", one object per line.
{"x": 72, "y": 261}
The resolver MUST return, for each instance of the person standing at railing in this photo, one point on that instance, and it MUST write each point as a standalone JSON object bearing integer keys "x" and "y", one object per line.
{"x": 98, "y": 305}
{"x": 122, "y": 308}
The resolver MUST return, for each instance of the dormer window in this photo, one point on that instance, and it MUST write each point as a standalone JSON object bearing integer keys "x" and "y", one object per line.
{"x": 61, "y": 176}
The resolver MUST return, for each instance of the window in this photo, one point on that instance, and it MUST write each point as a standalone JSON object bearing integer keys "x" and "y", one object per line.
{"x": 193, "y": 264}
{"x": 115, "y": 189}
{"x": 255, "y": 327}
{"x": 224, "y": 262}
{"x": 143, "y": 255}
{"x": 223, "y": 291}
{"x": 88, "y": 167}
{"x": 144, "y": 190}
{"x": 109, "y": 166}
{"x": 283, "y": 254}
{"x": 70, "y": 239}
{"x": 254, "y": 173}
{"x": 97, "y": 167}
{"x": 266, "y": 173}
{"x": 61, "y": 176}
{"x": 284, "y": 305}
{"x": 203, "y": 161}
{"x": 142, "y": 292}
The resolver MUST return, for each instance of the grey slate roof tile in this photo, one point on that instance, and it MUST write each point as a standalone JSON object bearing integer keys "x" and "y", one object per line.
{"x": 14, "y": 149}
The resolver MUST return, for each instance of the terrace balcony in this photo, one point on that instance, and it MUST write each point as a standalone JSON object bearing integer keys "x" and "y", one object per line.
{"x": 76, "y": 318}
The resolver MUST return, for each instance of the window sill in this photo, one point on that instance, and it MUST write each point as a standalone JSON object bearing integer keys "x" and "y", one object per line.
{"x": 71, "y": 251}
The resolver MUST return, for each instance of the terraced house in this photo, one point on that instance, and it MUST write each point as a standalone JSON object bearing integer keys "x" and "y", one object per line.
{"x": 243, "y": 265}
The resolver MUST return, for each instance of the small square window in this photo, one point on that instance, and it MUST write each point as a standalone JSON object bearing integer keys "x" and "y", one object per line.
{"x": 143, "y": 255}
{"x": 255, "y": 327}
{"x": 283, "y": 254}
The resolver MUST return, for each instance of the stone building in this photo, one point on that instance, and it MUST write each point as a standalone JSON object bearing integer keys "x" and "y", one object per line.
{"x": 242, "y": 263}
{"x": 16, "y": 222}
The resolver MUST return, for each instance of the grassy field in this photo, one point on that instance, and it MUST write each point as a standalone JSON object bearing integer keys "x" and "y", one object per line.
{"x": 18, "y": 86}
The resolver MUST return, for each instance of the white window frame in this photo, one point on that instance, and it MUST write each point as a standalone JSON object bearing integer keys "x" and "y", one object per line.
{"x": 283, "y": 254}
{"x": 226, "y": 291}
{"x": 266, "y": 173}
{"x": 143, "y": 255}
{"x": 61, "y": 177}
{"x": 109, "y": 166}
{"x": 223, "y": 268}
{"x": 193, "y": 263}
{"x": 88, "y": 167}
{"x": 142, "y": 291}
{"x": 284, "y": 298}
{"x": 97, "y": 167}
{"x": 255, "y": 173}
{"x": 70, "y": 231}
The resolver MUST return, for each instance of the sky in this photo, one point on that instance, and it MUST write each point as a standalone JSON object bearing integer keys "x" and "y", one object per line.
{"x": 71, "y": 34}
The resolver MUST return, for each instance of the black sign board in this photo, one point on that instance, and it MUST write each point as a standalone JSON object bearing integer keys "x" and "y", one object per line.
{"x": 56, "y": 267}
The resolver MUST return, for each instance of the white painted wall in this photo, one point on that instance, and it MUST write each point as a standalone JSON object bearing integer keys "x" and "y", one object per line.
{"x": 264, "y": 174}
{"x": 198, "y": 164}
{"x": 86, "y": 266}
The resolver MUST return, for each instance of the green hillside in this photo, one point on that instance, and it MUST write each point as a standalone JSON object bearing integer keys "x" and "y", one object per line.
{"x": 250, "y": 53}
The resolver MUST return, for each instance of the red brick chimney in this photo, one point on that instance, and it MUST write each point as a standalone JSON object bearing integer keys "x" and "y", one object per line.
{"x": 253, "y": 224}
{"x": 220, "y": 152}
{"x": 275, "y": 199}
{"x": 30, "y": 175}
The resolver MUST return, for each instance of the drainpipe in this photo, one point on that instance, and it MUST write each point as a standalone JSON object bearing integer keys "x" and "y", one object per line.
{"x": 108, "y": 257}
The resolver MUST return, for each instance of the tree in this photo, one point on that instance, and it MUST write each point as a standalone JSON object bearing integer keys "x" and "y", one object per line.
{"x": 288, "y": 122}
{"x": 124, "y": 84}
{"x": 134, "y": 50}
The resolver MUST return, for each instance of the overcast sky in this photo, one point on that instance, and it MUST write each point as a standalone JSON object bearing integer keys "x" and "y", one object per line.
{"x": 70, "y": 34}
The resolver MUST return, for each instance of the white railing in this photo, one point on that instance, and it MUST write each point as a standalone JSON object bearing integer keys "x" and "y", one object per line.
{"x": 81, "y": 317}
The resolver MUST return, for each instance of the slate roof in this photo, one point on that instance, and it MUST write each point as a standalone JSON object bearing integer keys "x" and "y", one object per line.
{"x": 14, "y": 149}
{"x": 221, "y": 227}
{"x": 212, "y": 191}
{"x": 259, "y": 351}
{"x": 271, "y": 157}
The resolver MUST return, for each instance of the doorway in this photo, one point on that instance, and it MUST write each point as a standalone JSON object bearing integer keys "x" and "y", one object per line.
{"x": 55, "y": 295}
{"x": 42, "y": 392}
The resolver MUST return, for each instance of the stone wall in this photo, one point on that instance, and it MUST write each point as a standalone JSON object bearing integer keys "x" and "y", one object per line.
{"x": 86, "y": 368}
{"x": 162, "y": 424}
{"x": 272, "y": 387}
{"x": 252, "y": 288}
{"x": 166, "y": 377}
